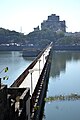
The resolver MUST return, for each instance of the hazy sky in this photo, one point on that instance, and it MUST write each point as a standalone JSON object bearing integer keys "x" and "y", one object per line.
{"x": 27, "y": 14}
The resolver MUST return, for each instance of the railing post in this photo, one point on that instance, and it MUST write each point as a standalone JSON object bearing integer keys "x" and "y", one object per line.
{"x": 31, "y": 84}
{"x": 0, "y": 82}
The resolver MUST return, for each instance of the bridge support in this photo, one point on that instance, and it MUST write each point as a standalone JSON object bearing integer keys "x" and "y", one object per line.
{"x": 39, "y": 93}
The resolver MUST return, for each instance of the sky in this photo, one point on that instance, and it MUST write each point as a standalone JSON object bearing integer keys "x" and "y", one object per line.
{"x": 24, "y": 15}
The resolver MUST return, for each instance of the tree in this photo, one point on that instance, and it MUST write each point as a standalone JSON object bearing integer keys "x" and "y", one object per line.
{"x": 4, "y": 77}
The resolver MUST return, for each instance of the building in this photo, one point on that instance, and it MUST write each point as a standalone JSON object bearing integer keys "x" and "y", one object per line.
{"x": 53, "y": 23}
{"x": 37, "y": 28}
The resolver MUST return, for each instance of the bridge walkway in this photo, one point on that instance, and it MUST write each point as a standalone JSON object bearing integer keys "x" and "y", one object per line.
{"x": 32, "y": 78}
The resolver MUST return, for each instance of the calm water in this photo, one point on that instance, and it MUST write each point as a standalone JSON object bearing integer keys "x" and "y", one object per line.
{"x": 64, "y": 79}
{"x": 16, "y": 64}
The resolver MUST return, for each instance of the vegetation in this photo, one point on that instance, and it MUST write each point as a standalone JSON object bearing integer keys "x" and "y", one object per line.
{"x": 7, "y": 37}
{"x": 72, "y": 96}
{"x": 69, "y": 40}
{"x": 4, "y": 70}
{"x": 38, "y": 38}
{"x": 36, "y": 108}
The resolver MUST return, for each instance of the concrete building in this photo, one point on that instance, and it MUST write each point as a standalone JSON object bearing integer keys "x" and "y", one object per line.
{"x": 53, "y": 23}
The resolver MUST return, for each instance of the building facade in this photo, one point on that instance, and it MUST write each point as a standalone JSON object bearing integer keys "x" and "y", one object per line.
{"x": 53, "y": 23}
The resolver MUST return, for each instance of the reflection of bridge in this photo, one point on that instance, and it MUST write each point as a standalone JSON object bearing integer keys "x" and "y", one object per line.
{"x": 25, "y": 96}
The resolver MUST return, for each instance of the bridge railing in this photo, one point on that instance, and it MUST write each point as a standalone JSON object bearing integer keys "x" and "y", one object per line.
{"x": 40, "y": 89}
{"x": 21, "y": 78}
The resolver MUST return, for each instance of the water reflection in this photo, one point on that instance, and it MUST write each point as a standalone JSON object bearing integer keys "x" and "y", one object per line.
{"x": 64, "y": 79}
{"x": 59, "y": 61}
{"x": 29, "y": 58}
{"x": 16, "y": 64}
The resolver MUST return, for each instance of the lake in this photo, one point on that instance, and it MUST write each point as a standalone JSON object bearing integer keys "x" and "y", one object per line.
{"x": 64, "y": 80}
{"x": 15, "y": 63}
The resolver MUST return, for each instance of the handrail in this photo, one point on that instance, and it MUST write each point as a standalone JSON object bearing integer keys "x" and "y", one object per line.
{"x": 21, "y": 78}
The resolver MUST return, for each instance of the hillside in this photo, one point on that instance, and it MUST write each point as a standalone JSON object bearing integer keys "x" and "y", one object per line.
{"x": 9, "y": 37}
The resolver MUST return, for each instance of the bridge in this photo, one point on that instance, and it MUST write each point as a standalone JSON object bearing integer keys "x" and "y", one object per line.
{"x": 24, "y": 98}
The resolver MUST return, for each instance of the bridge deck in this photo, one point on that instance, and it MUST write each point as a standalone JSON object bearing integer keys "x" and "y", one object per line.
{"x": 34, "y": 73}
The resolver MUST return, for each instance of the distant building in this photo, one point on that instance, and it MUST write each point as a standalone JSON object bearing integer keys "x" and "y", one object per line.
{"x": 53, "y": 23}
{"x": 37, "y": 28}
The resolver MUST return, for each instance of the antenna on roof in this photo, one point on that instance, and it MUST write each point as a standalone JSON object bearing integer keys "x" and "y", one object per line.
{"x": 21, "y": 29}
